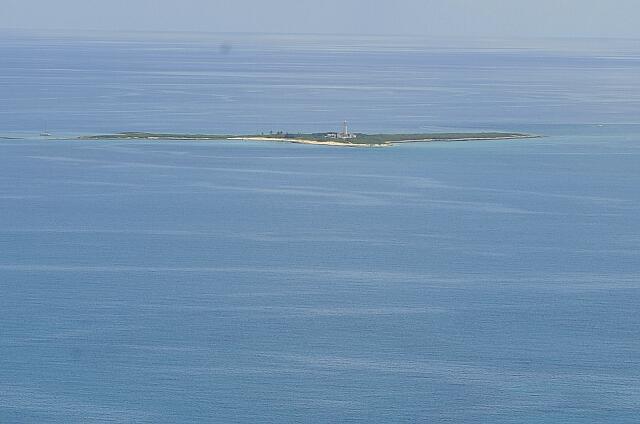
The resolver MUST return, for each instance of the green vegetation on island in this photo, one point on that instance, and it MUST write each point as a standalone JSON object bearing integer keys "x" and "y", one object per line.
{"x": 133, "y": 135}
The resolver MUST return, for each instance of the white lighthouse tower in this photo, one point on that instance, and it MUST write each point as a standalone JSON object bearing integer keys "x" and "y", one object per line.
{"x": 345, "y": 134}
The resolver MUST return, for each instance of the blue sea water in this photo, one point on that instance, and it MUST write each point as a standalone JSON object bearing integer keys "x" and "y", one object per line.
{"x": 182, "y": 282}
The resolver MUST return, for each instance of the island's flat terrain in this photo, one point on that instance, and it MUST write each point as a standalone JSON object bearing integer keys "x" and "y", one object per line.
{"x": 360, "y": 140}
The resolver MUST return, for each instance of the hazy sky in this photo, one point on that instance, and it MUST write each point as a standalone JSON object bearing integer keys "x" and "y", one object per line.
{"x": 488, "y": 18}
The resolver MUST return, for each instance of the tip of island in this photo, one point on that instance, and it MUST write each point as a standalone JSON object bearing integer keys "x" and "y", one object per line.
{"x": 342, "y": 138}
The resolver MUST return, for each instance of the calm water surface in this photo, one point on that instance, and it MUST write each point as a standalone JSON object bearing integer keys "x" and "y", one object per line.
{"x": 181, "y": 282}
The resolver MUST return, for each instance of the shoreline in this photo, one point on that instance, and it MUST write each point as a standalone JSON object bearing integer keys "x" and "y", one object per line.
{"x": 363, "y": 140}
{"x": 313, "y": 142}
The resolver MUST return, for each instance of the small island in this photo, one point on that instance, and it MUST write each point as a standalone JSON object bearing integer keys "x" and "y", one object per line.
{"x": 343, "y": 138}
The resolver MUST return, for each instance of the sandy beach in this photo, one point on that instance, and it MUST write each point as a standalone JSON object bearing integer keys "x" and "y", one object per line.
{"x": 303, "y": 141}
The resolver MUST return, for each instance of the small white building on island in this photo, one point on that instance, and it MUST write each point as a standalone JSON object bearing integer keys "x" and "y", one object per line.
{"x": 344, "y": 135}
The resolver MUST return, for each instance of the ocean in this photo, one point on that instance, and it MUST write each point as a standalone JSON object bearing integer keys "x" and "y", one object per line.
{"x": 243, "y": 282}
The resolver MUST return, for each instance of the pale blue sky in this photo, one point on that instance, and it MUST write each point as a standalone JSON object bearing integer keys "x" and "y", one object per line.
{"x": 440, "y": 18}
